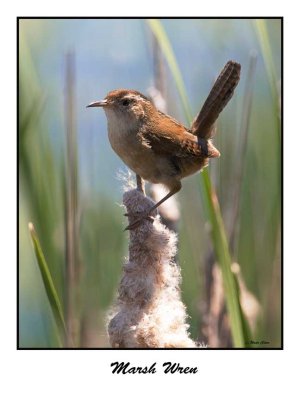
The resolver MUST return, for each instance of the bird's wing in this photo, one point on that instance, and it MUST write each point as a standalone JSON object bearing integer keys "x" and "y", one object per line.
{"x": 168, "y": 137}
{"x": 217, "y": 99}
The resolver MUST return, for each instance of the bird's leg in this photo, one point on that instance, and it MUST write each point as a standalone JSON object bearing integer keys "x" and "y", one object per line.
{"x": 140, "y": 184}
{"x": 174, "y": 190}
{"x": 148, "y": 213}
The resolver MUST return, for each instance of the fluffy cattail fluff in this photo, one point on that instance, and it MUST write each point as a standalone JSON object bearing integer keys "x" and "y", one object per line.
{"x": 149, "y": 312}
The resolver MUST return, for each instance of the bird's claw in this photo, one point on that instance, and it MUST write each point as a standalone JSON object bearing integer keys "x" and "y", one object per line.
{"x": 138, "y": 222}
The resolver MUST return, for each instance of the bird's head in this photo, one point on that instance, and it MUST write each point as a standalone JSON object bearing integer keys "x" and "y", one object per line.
{"x": 125, "y": 106}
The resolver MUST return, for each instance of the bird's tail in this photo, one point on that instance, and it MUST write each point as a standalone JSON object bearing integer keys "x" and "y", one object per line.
{"x": 217, "y": 99}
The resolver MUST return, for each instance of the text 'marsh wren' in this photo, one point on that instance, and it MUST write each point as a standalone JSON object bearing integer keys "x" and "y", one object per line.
{"x": 157, "y": 147}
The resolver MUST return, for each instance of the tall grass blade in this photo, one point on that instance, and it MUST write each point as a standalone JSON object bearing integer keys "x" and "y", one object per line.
{"x": 210, "y": 199}
{"x": 261, "y": 28}
{"x": 241, "y": 153}
{"x": 264, "y": 41}
{"x": 167, "y": 50}
{"x": 223, "y": 257}
{"x": 71, "y": 194}
{"x": 48, "y": 282}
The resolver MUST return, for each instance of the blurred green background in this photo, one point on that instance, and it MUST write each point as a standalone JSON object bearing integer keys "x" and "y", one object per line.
{"x": 65, "y": 159}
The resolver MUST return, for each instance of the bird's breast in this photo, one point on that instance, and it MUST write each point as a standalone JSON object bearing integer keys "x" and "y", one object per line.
{"x": 138, "y": 156}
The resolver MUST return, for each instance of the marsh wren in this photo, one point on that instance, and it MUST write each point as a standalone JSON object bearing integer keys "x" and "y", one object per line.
{"x": 157, "y": 147}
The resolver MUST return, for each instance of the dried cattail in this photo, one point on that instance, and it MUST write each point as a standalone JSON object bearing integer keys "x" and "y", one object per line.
{"x": 149, "y": 312}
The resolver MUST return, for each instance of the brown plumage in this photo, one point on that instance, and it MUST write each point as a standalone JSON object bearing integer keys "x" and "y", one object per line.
{"x": 157, "y": 147}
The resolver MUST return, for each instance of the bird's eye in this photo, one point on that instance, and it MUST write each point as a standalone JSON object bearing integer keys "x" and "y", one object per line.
{"x": 125, "y": 102}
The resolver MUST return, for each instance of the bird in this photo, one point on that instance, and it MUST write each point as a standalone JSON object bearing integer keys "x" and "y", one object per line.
{"x": 154, "y": 145}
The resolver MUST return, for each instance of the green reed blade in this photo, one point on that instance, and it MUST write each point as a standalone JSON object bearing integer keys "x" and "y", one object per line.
{"x": 48, "y": 281}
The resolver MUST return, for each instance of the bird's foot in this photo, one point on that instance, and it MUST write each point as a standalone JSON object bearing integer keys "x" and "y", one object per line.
{"x": 139, "y": 218}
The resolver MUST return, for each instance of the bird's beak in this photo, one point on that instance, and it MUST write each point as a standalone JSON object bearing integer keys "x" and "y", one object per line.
{"x": 101, "y": 103}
